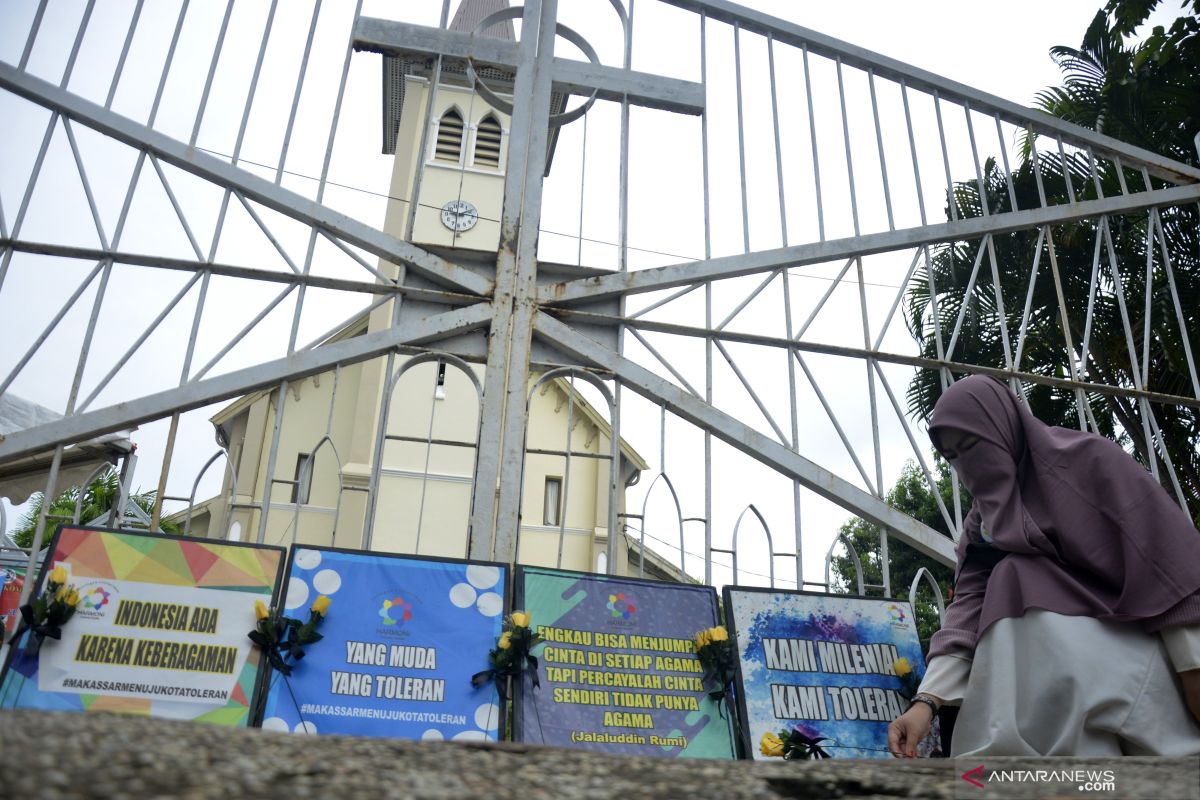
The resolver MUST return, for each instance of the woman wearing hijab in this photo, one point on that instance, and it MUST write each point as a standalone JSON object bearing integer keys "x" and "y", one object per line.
{"x": 1075, "y": 625}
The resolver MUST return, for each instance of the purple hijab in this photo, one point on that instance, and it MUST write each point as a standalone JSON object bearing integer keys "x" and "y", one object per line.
{"x": 1087, "y": 530}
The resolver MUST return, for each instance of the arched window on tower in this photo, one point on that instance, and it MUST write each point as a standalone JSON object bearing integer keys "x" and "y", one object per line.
{"x": 487, "y": 143}
{"x": 449, "y": 137}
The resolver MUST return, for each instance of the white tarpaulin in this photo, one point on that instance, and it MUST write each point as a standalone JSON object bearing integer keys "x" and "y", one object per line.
{"x": 24, "y": 476}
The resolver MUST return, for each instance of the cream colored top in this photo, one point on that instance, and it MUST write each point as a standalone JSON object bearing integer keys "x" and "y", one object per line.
{"x": 946, "y": 676}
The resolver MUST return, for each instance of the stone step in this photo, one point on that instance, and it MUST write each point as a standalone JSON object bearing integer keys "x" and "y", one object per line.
{"x": 111, "y": 756}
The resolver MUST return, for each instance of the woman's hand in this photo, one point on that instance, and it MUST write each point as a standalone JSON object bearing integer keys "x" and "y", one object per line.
{"x": 1191, "y": 690}
{"x": 913, "y": 725}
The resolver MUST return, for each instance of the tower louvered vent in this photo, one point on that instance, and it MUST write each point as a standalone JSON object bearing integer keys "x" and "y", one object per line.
{"x": 487, "y": 143}
{"x": 450, "y": 137}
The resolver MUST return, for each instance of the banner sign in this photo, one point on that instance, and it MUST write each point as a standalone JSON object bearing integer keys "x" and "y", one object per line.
{"x": 160, "y": 628}
{"x": 821, "y": 664}
{"x": 10, "y": 598}
{"x": 402, "y": 638}
{"x": 618, "y": 671}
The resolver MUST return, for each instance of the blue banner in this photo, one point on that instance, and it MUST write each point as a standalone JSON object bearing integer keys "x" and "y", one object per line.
{"x": 618, "y": 672}
{"x": 821, "y": 665}
{"x": 402, "y": 638}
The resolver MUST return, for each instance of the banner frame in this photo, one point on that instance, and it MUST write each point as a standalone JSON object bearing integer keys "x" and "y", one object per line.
{"x": 47, "y": 566}
{"x": 518, "y": 694}
{"x": 261, "y": 687}
{"x": 731, "y": 626}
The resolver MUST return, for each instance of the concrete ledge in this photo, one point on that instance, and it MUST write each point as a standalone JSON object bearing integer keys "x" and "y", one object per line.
{"x": 113, "y": 756}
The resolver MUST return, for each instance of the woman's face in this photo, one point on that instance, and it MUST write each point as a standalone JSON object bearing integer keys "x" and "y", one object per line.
{"x": 977, "y": 461}
{"x": 954, "y": 443}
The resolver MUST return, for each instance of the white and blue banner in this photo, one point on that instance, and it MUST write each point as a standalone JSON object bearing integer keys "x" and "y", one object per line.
{"x": 402, "y": 638}
{"x": 821, "y": 665}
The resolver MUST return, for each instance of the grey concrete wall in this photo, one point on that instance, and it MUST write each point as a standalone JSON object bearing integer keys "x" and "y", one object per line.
{"x": 109, "y": 756}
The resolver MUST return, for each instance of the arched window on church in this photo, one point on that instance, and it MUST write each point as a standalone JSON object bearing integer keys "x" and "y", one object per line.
{"x": 449, "y": 137}
{"x": 487, "y": 143}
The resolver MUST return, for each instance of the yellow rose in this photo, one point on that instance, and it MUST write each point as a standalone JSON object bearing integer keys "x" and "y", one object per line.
{"x": 59, "y": 575}
{"x": 261, "y": 611}
{"x": 901, "y": 667}
{"x": 505, "y": 640}
{"x": 718, "y": 634}
{"x": 702, "y": 638}
{"x": 320, "y": 606}
{"x": 72, "y": 598}
{"x": 520, "y": 619}
{"x": 771, "y": 745}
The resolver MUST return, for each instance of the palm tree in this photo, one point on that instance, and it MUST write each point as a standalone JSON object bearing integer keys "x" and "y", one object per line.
{"x": 1151, "y": 102}
{"x": 98, "y": 499}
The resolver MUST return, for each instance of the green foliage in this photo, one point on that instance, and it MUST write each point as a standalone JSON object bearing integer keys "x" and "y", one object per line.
{"x": 98, "y": 499}
{"x": 1145, "y": 96}
{"x": 912, "y": 495}
{"x": 1182, "y": 39}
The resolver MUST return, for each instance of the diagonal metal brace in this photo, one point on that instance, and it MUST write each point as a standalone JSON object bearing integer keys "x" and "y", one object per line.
{"x": 650, "y": 280}
{"x": 78, "y": 427}
{"x": 749, "y": 441}
{"x": 213, "y": 169}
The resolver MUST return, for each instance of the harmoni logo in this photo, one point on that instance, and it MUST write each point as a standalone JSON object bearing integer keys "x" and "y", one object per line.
{"x": 620, "y": 606}
{"x": 395, "y": 611}
{"x": 95, "y": 599}
{"x": 897, "y": 614}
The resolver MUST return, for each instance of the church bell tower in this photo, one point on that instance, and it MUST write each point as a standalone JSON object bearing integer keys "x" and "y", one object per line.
{"x": 449, "y": 154}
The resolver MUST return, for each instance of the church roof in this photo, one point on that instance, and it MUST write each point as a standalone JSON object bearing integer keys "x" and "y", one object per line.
{"x": 471, "y": 12}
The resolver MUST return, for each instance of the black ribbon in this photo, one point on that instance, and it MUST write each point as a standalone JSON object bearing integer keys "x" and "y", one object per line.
{"x": 807, "y": 746}
{"x": 286, "y": 639}
{"x": 38, "y": 633}
{"x": 718, "y": 697}
{"x": 294, "y": 649}
{"x": 480, "y": 678}
{"x": 722, "y": 677}
{"x": 533, "y": 678}
{"x": 271, "y": 648}
{"x": 501, "y": 674}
